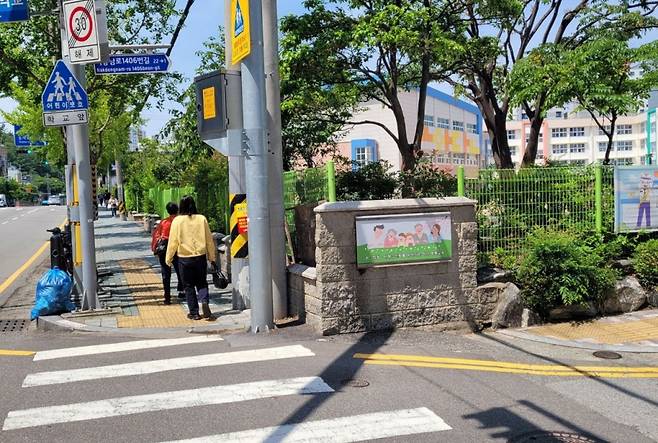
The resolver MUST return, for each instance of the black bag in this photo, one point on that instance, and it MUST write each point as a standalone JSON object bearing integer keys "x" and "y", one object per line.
{"x": 219, "y": 280}
{"x": 161, "y": 246}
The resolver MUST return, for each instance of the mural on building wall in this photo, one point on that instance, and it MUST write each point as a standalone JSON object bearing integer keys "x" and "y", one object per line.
{"x": 636, "y": 197}
{"x": 408, "y": 238}
{"x": 440, "y": 142}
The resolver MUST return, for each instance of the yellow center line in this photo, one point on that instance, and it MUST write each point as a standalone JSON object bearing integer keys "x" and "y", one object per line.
{"x": 508, "y": 367}
{"x": 26, "y": 265}
{"x": 13, "y": 353}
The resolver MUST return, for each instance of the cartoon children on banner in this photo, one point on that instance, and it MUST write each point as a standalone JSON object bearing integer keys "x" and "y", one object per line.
{"x": 393, "y": 239}
{"x": 646, "y": 183}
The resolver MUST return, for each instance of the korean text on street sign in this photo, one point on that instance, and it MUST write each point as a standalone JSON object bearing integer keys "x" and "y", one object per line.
{"x": 82, "y": 31}
{"x": 14, "y": 11}
{"x": 134, "y": 64}
{"x": 240, "y": 30}
{"x": 64, "y": 100}
{"x": 23, "y": 141}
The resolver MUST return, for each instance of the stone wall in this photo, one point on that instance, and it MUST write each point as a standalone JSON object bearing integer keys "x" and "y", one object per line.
{"x": 301, "y": 290}
{"x": 349, "y": 299}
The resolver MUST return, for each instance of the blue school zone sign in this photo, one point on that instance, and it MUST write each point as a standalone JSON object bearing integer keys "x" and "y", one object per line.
{"x": 14, "y": 11}
{"x": 63, "y": 92}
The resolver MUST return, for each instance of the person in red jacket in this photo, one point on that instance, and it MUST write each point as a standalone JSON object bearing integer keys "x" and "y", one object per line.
{"x": 161, "y": 234}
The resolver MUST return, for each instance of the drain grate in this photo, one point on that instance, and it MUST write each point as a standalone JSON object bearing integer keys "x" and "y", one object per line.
{"x": 355, "y": 383}
{"x": 608, "y": 355}
{"x": 552, "y": 437}
{"x": 9, "y": 326}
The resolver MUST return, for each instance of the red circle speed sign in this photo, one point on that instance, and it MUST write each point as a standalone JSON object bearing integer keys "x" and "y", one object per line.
{"x": 80, "y": 24}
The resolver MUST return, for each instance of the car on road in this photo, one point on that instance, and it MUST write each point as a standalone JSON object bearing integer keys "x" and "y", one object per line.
{"x": 54, "y": 200}
{"x": 3, "y": 201}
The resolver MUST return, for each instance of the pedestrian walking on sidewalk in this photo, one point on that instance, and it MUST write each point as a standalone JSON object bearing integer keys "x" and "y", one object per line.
{"x": 159, "y": 243}
{"x": 113, "y": 203}
{"x": 191, "y": 240}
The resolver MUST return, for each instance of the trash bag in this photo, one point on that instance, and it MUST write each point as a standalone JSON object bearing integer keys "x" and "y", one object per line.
{"x": 53, "y": 294}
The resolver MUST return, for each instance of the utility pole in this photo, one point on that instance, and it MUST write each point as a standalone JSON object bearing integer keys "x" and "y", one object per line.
{"x": 275, "y": 159}
{"x": 254, "y": 102}
{"x": 120, "y": 195}
{"x": 236, "y": 183}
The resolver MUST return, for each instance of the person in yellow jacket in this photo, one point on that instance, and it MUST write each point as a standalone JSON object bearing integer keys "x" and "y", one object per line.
{"x": 190, "y": 239}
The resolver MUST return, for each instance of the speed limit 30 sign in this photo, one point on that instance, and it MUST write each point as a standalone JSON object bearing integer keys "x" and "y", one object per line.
{"x": 82, "y": 31}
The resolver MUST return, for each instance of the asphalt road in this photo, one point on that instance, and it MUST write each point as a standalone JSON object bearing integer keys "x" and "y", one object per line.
{"x": 22, "y": 233}
{"x": 141, "y": 400}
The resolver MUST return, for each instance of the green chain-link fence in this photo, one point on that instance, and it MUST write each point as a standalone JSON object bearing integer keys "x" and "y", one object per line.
{"x": 512, "y": 203}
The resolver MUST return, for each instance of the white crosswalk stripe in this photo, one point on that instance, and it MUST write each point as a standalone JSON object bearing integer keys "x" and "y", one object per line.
{"x": 214, "y": 395}
{"x": 121, "y": 347}
{"x": 339, "y": 430}
{"x": 170, "y": 364}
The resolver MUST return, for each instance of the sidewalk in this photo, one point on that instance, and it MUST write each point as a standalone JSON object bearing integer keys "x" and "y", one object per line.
{"x": 133, "y": 293}
{"x": 632, "y": 332}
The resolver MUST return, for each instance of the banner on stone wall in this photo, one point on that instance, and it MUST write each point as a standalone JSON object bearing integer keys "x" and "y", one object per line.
{"x": 636, "y": 198}
{"x": 406, "y": 238}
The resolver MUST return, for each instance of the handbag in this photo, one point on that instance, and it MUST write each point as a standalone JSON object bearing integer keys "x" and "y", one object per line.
{"x": 160, "y": 246}
{"x": 219, "y": 280}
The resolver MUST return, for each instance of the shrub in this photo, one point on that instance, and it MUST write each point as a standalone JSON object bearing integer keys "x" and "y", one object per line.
{"x": 560, "y": 269}
{"x": 426, "y": 180}
{"x": 645, "y": 262}
{"x": 373, "y": 181}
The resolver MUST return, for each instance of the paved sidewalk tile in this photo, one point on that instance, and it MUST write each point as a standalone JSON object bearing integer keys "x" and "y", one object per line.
{"x": 634, "y": 328}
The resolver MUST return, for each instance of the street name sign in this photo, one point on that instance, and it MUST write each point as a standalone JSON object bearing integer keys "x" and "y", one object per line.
{"x": 240, "y": 30}
{"x": 23, "y": 141}
{"x": 82, "y": 31}
{"x": 14, "y": 11}
{"x": 64, "y": 100}
{"x": 134, "y": 64}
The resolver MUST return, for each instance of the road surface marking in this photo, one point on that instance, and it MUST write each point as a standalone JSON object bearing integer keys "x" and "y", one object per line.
{"x": 340, "y": 430}
{"x": 14, "y": 353}
{"x": 170, "y": 364}
{"x": 25, "y": 265}
{"x": 14, "y": 219}
{"x": 5, "y": 222}
{"x": 121, "y": 347}
{"x": 114, "y": 407}
{"x": 508, "y": 367}
{"x": 33, "y": 211}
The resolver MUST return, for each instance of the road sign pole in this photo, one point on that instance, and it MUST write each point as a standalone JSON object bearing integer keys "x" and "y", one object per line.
{"x": 80, "y": 139}
{"x": 253, "y": 99}
{"x": 236, "y": 185}
{"x": 275, "y": 159}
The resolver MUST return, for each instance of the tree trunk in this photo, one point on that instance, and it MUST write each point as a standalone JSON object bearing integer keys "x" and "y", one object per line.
{"x": 409, "y": 157}
{"x": 611, "y": 136}
{"x": 497, "y": 128}
{"x": 530, "y": 153}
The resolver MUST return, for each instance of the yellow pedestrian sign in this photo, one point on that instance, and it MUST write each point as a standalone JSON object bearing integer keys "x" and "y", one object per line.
{"x": 240, "y": 31}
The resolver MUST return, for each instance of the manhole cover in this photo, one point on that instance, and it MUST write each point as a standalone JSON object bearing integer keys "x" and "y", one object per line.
{"x": 355, "y": 383}
{"x": 608, "y": 355}
{"x": 8, "y": 326}
{"x": 552, "y": 437}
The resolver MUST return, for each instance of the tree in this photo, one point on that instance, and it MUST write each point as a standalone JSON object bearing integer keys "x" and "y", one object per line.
{"x": 500, "y": 36}
{"x": 355, "y": 51}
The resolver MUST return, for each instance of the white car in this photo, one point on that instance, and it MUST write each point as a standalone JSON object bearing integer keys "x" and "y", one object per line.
{"x": 54, "y": 200}
{"x": 3, "y": 201}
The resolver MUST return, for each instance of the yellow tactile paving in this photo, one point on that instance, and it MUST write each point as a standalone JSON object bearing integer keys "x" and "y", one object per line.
{"x": 602, "y": 331}
{"x": 146, "y": 288}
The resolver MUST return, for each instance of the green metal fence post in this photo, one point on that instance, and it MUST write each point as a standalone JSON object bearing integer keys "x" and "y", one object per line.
{"x": 331, "y": 180}
{"x": 598, "y": 198}
{"x": 460, "y": 181}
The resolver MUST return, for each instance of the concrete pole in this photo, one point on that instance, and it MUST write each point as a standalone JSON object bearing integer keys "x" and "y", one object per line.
{"x": 275, "y": 159}
{"x": 236, "y": 185}
{"x": 80, "y": 140}
{"x": 253, "y": 100}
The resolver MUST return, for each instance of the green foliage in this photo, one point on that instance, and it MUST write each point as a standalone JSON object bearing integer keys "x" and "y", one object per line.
{"x": 373, "y": 181}
{"x": 210, "y": 181}
{"x": 425, "y": 180}
{"x": 645, "y": 262}
{"x": 560, "y": 269}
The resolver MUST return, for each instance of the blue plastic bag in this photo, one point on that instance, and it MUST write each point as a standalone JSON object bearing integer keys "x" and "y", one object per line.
{"x": 53, "y": 294}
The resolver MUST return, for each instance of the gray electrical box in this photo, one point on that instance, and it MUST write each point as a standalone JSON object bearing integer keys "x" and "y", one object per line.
{"x": 219, "y": 109}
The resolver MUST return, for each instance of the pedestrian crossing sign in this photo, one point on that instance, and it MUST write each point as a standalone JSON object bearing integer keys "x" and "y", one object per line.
{"x": 240, "y": 32}
{"x": 64, "y": 100}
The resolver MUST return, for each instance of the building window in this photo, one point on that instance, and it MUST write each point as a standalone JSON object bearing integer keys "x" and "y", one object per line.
{"x": 622, "y": 161}
{"x": 624, "y": 129}
{"x": 458, "y": 159}
{"x": 361, "y": 156}
{"x": 512, "y": 150}
{"x": 603, "y": 146}
{"x": 559, "y": 149}
{"x": 577, "y": 132}
{"x": 643, "y": 144}
{"x": 602, "y": 132}
{"x": 577, "y": 148}
{"x": 576, "y": 162}
{"x": 429, "y": 121}
{"x": 470, "y": 127}
{"x": 558, "y": 132}
{"x": 625, "y": 145}
{"x": 457, "y": 125}
{"x": 511, "y": 134}
{"x": 364, "y": 151}
{"x": 558, "y": 114}
{"x": 643, "y": 127}
{"x": 442, "y": 123}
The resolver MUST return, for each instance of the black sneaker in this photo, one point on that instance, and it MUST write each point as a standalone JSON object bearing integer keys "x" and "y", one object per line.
{"x": 181, "y": 296}
{"x": 194, "y": 316}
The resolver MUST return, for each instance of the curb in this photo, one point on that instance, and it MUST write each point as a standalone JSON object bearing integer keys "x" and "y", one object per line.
{"x": 58, "y": 324}
{"x": 637, "y": 349}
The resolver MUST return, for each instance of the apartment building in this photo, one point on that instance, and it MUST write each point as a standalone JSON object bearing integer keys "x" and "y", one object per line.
{"x": 452, "y": 133}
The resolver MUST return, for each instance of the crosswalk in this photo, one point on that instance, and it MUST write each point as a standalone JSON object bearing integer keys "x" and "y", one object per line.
{"x": 362, "y": 426}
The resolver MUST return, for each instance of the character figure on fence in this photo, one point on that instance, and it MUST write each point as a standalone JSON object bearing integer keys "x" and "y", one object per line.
{"x": 645, "y": 200}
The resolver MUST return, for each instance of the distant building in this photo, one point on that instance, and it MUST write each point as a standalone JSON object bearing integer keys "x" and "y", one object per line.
{"x": 135, "y": 135}
{"x": 4, "y": 162}
{"x": 13, "y": 173}
{"x": 452, "y": 133}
